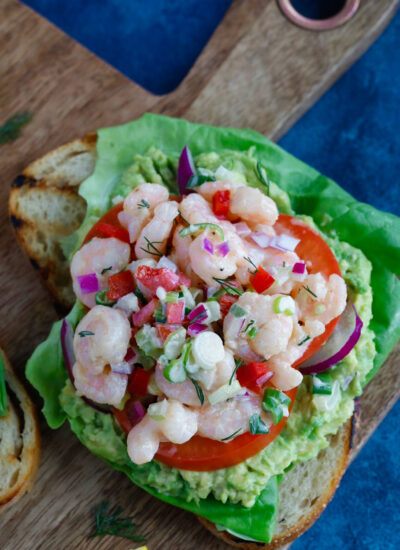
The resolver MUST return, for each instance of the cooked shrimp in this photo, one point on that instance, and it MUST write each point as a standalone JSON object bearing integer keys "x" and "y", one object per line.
{"x": 195, "y": 209}
{"x": 315, "y": 291}
{"x": 154, "y": 236}
{"x": 253, "y": 206}
{"x": 178, "y": 426}
{"x": 185, "y": 391}
{"x": 223, "y": 371}
{"x": 206, "y": 265}
{"x": 94, "y": 257}
{"x": 208, "y": 189}
{"x": 180, "y": 254}
{"x": 102, "y": 337}
{"x": 106, "y": 387}
{"x": 230, "y": 417}
{"x": 139, "y": 206}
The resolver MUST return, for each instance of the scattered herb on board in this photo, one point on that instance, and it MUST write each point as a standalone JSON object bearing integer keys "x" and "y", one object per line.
{"x": 12, "y": 128}
{"x": 110, "y": 522}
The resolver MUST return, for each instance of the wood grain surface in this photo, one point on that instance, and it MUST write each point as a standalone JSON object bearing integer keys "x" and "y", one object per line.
{"x": 258, "y": 70}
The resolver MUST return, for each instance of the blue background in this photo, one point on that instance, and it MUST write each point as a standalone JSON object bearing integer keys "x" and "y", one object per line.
{"x": 351, "y": 134}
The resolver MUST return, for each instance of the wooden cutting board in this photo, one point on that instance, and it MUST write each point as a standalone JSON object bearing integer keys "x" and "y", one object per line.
{"x": 259, "y": 71}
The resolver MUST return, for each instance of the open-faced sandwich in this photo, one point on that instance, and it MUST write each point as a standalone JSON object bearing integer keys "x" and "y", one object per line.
{"x": 231, "y": 303}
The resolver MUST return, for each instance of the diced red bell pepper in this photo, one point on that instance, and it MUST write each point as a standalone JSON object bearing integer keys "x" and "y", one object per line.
{"x": 138, "y": 382}
{"x": 225, "y": 303}
{"x": 120, "y": 284}
{"x": 250, "y": 373}
{"x": 261, "y": 280}
{"x": 145, "y": 314}
{"x": 184, "y": 280}
{"x": 220, "y": 202}
{"x": 164, "y": 330}
{"x": 113, "y": 231}
{"x": 152, "y": 278}
{"x": 174, "y": 313}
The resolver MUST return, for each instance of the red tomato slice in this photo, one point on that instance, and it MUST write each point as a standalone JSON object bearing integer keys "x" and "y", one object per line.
{"x": 202, "y": 454}
{"x": 317, "y": 255}
{"x": 110, "y": 217}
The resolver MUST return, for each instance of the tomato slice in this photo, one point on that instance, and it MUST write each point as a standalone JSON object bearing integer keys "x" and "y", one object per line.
{"x": 319, "y": 258}
{"x": 110, "y": 218}
{"x": 202, "y": 454}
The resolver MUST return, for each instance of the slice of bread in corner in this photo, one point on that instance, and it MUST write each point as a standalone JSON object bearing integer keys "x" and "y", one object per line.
{"x": 304, "y": 493}
{"x": 19, "y": 441}
{"x": 44, "y": 206}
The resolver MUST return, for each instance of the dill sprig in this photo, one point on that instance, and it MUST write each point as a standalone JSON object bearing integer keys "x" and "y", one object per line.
{"x": 106, "y": 269}
{"x": 252, "y": 272}
{"x": 111, "y": 522}
{"x": 231, "y": 436}
{"x": 238, "y": 362}
{"x": 262, "y": 175}
{"x": 199, "y": 391}
{"x": 151, "y": 249}
{"x": 228, "y": 286}
{"x": 12, "y": 128}
{"x": 308, "y": 289}
{"x": 304, "y": 340}
{"x": 143, "y": 204}
{"x": 84, "y": 333}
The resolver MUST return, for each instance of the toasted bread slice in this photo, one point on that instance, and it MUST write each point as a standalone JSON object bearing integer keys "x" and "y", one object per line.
{"x": 19, "y": 441}
{"x": 304, "y": 493}
{"x": 45, "y": 206}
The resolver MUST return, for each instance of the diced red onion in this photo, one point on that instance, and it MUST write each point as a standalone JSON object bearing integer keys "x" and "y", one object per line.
{"x": 196, "y": 328}
{"x": 242, "y": 229}
{"x": 199, "y": 313}
{"x": 223, "y": 249}
{"x": 121, "y": 368}
{"x": 186, "y": 170}
{"x": 261, "y": 239}
{"x": 343, "y": 339}
{"x": 134, "y": 411}
{"x": 208, "y": 246}
{"x": 88, "y": 283}
{"x": 264, "y": 378}
{"x": 131, "y": 356}
{"x": 299, "y": 267}
{"x": 166, "y": 262}
{"x": 284, "y": 243}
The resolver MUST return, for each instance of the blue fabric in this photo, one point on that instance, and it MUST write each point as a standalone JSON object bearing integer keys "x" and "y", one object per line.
{"x": 351, "y": 135}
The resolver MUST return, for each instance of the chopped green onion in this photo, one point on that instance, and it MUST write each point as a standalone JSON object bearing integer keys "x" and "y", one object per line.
{"x": 3, "y": 392}
{"x": 175, "y": 372}
{"x": 252, "y": 332}
{"x": 198, "y": 179}
{"x": 232, "y": 435}
{"x": 84, "y": 333}
{"x": 257, "y": 426}
{"x": 218, "y": 294}
{"x": 172, "y": 297}
{"x": 238, "y": 362}
{"x": 159, "y": 315}
{"x": 197, "y": 227}
{"x": 238, "y": 311}
{"x": 284, "y": 304}
{"x": 276, "y": 403}
{"x": 139, "y": 294}
{"x": 225, "y": 392}
{"x": 199, "y": 391}
{"x": 322, "y": 383}
{"x": 101, "y": 299}
{"x": 174, "y": 342}
{"x": 158, "y": 411}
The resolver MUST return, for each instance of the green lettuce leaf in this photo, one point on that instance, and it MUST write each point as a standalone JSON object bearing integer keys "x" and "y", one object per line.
{"x": 376, "y": 233}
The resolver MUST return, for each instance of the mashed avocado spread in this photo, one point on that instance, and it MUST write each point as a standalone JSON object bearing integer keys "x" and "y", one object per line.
{"x": 312, "y": 419}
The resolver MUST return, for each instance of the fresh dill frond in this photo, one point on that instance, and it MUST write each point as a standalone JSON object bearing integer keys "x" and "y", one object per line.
{"x": 231, "y": 436}
{"x": 151, "y": 249}
{"x": 143, "y": 204}
{"x": 238, "y": 362}
{"x": 308, "y": 289}
{"x": 111, "y": 522}
{"x": 199, "y": 391}
{"x": 248, "y": 259}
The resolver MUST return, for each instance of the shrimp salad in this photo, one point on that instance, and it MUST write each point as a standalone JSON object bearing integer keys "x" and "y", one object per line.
{"x": 199, "y": 309}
